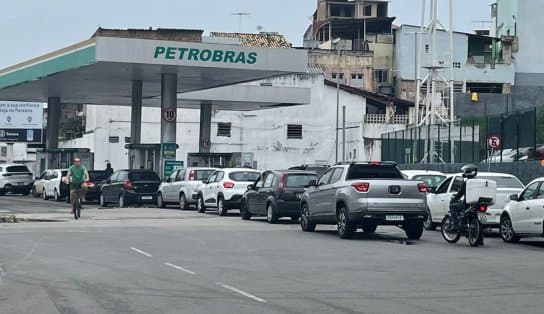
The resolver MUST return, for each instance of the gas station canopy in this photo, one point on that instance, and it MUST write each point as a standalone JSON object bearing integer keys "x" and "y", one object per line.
{"x": 101, "y": 71}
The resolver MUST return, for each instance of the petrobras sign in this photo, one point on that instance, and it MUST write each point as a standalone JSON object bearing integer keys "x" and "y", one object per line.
{"x": 21, "y": 115}
{"x": 205, "y": 55}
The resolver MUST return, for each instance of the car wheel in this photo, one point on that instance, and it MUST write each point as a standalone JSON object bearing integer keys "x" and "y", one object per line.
{"x": 160, "y": 201}
{"x": 306, "y": 223}
{"x": 221, "y": 210}
{"x": 369, "y": 227}
{"x": 44, "y": 195}
{"x": 200, "y": 206}
{"x": 507, "y": 231}
{"x": 34, "y": 192}
{"x": 428, "y": 223}
{"x": 182, "y": 202}
{"x": 56, "y": 196}
{"x": 122, "y": 202}
{"x": 244, "y": 211}
{"x": 103, "y": 202}
{"x": 271, "y": 215}
{"x": 414, "y": 231}
{"x": 345, "y": 227}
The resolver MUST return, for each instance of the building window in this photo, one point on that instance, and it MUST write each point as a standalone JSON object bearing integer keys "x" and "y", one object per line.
{"x": 127, "y": 139}
{"x": 114, "y": 139}
{"x": 426, "y": 48}
{"x": 358, "y": 76}
{"x": 457, "y": 65}
{"x": 294, "y": 131}
{"x": 223, "y": 129}
{"x": 368, "y": 10}
{"x": 335, "y": 75}
{"x": 381, "y": 76}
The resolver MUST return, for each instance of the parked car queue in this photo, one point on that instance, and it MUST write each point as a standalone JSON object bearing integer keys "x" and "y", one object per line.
{"x": 519, "y": 211}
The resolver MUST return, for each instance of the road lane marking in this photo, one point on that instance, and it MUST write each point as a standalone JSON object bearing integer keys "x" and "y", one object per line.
{"x": 141, "y": 252}
{"x": 245, "y": 294}
{"x": 180, "y": 268}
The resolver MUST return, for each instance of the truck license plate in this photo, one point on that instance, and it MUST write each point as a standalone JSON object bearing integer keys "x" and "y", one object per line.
{"x": 394, "y": 218}
{"x": 147, "y": 198}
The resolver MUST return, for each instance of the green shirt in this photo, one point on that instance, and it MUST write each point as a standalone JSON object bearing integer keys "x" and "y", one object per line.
{"x": 77, "y": 174}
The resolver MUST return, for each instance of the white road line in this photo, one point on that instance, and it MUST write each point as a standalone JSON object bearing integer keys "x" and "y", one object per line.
{"x": 245, "y": 294}
{"x": 141, "y": 252}
{"x": 180, "y": 268}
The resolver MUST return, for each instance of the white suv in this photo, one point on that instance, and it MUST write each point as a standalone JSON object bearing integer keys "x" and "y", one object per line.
{"x": 224, "y": 189}
{"x": 15, "y": 179}
{"x": 53, "y": 187}
{"x": 182, "y": 186}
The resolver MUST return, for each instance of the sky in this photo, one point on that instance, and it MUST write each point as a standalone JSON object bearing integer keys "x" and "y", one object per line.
{"x": 30, "y": 28}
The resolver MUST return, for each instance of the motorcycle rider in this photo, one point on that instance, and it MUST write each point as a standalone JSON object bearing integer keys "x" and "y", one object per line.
{"x": 458, "y": 203}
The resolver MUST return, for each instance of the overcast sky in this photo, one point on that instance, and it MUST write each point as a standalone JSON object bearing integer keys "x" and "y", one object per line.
{"x": 29, "y": 28}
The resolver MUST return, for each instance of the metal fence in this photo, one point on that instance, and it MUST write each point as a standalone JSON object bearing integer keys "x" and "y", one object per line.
{"x": 520, "y": 137}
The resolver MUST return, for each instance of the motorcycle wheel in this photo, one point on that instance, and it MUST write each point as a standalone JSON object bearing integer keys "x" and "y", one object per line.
{"x": 475, "y": 233}
{"x": 449, "y": 231}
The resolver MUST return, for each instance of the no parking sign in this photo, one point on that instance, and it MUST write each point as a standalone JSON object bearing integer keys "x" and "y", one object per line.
{"x": 494, "y": 142}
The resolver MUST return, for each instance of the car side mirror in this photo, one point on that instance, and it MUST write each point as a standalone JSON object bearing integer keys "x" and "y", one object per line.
{"x": 251, "y": 187}
{"x": 431, "y": 190}
{"x": 514, "y": 197}
{"x": 36, "y": 178}
{"x": 312, "y": 183}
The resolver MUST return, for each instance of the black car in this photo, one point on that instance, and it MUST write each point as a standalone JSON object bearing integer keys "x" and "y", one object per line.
{"x": 96, "y": 179}
{"x": 126, "y": 187}
{"x": 276, "y": 194}
{"x": 318, "y": 169}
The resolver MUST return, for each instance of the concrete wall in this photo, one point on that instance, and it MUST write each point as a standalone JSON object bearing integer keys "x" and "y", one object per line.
{"x": 350, "y": 63}
{"x": 405, "y": 56}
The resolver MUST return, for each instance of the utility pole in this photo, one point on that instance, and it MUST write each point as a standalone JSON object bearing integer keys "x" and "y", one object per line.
{"x": 337, "y": 96}
{"x": 343, "y": 133}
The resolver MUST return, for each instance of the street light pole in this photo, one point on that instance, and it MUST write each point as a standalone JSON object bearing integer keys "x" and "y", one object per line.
{"x": 337, "y": 100}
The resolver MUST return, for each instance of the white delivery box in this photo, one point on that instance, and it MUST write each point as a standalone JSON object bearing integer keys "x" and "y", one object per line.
{"x": 481, "y": 191}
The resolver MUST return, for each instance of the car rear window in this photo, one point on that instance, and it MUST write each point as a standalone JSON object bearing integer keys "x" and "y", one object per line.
{"x": 17, "y": 169}
{"x": 430, "y": 180}
{"x": 244, "y": 176}
{"x": 201, "y": 175}
{"x": 299, "y": 180}
{"x": 358, "y": 171}
{"x": 97, "y": 176}
{"x": 143, "y": 176}
{"x": 504, "y": 182}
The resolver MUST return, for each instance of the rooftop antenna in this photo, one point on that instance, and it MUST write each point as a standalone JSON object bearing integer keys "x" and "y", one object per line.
{"x": 240, "y": 16}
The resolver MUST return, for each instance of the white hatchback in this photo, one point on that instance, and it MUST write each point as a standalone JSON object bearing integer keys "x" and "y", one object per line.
{"x": 224, "y": 189}
{"x": 523, "y": 216}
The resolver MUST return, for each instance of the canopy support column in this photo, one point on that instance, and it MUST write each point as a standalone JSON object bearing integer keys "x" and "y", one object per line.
{"x": 169, "y": 106}
{"x": 136, "y": 158}
{"x": 205, "y": 127}
{"x": 53, "y": 126}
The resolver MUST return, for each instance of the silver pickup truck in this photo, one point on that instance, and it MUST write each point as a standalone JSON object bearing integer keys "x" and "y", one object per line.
{"x": 364, "y": 195}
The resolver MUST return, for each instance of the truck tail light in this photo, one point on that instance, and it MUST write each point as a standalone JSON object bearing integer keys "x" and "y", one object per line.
{"x": 192, "y": 175}
{"x": 228, "y": 185}
{"x": 374, "y": 163}
{"x": 281, "y": 184}
{"x": 361, "y": 187}
{"x": 127, "y": 185}
{"x": 422, "y": 187}
{"x": 483, "y": 208}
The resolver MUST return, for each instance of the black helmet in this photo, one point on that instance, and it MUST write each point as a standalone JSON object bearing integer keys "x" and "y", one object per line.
{"x": 469, "y": 171}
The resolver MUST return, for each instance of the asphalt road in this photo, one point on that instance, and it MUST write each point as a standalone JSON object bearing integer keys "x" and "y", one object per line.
{"x": 148, "y": 260}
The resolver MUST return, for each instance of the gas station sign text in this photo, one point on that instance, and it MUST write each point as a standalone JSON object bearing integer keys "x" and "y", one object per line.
{"x": 204, "y": 55}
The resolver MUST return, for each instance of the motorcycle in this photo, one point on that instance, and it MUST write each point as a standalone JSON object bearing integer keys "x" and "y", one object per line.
{"x": 468, "y": 224}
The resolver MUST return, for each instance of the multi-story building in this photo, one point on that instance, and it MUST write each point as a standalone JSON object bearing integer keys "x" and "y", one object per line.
{"x": 353, "y": 42}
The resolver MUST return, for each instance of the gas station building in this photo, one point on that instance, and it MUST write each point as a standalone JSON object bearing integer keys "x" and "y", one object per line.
{"x": 164, "y": 68}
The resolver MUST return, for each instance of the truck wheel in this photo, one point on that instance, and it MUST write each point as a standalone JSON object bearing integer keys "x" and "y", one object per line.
{"x": 345, "y": 227}
{"x": 160, "y": 201}
{"x": 369, "y": 228}
{"x": 306, "y": 223}
{"x": 182, "y": 202}
{"x": 414, "y": 231}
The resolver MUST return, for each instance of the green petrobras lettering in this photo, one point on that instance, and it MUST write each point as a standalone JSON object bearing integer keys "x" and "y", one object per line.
{"x": 229, "y": 56}
{"x": 182, "y": 52}
{"x": 241, "y": 58}
{"x": 251, "y": 58}
{"x": 159, "y": 51}
{"x": 217, "y": 56}
{"x": 205, "y": 55}
{"x": 170, "y": 53}
{"x": 193, "y": 54}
